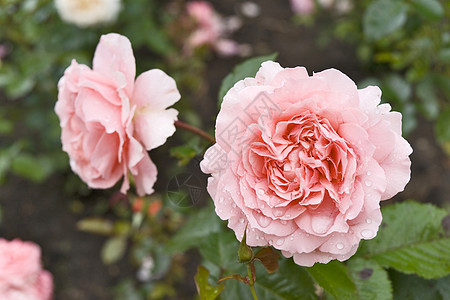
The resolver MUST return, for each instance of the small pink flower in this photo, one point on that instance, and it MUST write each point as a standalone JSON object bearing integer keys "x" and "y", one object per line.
{"x": 109, "y": 120}
{"x": 303, "y": 7}
{"x": 304, "y": 161}
{"x": 210, "y": 30}
{"x": 21, "y": 274}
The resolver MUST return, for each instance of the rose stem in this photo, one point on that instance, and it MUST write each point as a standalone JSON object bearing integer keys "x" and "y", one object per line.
{"x": 195, "y": 130}
{"x": 252, "y": 283}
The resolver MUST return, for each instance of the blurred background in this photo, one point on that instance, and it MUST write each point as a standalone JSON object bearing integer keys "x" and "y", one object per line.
{"x": 89, "y": 239}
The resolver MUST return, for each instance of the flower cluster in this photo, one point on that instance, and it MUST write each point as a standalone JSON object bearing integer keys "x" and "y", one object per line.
{"x": 303, "y": 161}
{"x": 21, "y": 273}
{"x": 211, "y": 30}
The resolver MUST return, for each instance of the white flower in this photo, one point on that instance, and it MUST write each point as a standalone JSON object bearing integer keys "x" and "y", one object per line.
{"x": 85, "y": 13}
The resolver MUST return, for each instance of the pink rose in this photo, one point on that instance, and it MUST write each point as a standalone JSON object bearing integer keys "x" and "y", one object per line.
{"x": 210, "y": 30}
{"x": 303, "y": 7}
{"x": 303, "y": 162}
{"x": 21, "y": 274}
{"x": 109, "y": 120}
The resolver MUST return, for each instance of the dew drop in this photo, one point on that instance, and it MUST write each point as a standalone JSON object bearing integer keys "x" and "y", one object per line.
{"x": 270, "y": 242}
{"x": 369, "y": 173}
{"x": 366, "y": 233}
{"x": 261, "y": 191}
{"x": 263, "y": 221}
{"x": 253, "y": 230}
{"x": 221, "y": 199}
{"x": 368, "y": 182}
{"x": 284, "y": 222}
{"x": 263, "y": 206}
{"x": 234, "y": 205}
{"x": 257, "y": 237}
{"x": 368, "y": 221}
{"x": 277, "y": 212}
{"x": 340, "y": 246}
{"x": 241, "y": 220}
{"x": 291, "y": 238}
{"x": 307, "y": 235}
{"x": 288, "y": 215}
{"x": 280, "y": 242}
{"x": 221, "y": 210}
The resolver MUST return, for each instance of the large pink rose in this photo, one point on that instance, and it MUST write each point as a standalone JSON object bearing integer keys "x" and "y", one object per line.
{"x": 109, "y": 120}
{"x": 303, "y": 161}
{"x": 21, "y": 274}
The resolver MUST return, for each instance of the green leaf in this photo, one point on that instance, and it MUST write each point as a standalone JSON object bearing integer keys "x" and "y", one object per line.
{"x": 246, "y": 69}
{"x": 429, "y": 260}
{"x": 31, "y": 167}
{"x": 430, "y": 9}
{"x": 184, "y": 153}
{"x": 204, "y": 223}
{"x": 372, "y": 281}
{"x": 113, "y": 249}
{"x": 412, "y": 287}
{"x": 396, "y": 88}
{"x": 96, "y": 225}
{"x": 383, "y": 17}
{"x": 290, "y": 281}
{"x": 405, "y": 223}
{"x": 220, "y": 250}
{"x": 410, "y": 240}
{"x": 428, "y": 99}
{"x": 333, "y": 278}
{"x": 204, "y": 288}
{"x": 442, "y": 129}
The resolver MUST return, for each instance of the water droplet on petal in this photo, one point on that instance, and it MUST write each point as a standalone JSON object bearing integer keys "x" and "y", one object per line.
{"x": 369, "y": 173}
{"x": 277, "y": 212}
{"x": 368, "y": 221}
{"x": 321, "y": 224}
{"x": 340, "y": 246}
{"x": 253, "y": 230}
{"x": 307, "y": 235}
{"x": 368, "y": 182}
{"x": 221, "y": 199}
{"x": 260, "y": 191}
{"x": 280, "y": 242}
{"x": 257, "y": 237}
{"x": 241, "y": 220}
{"x": 292, "y": 237}
{"x": 288, "y": 215}
{"x": 234, "y": 205}
{"x": 221, "y": 210}
{"x": 366, "y": 233}
{"x": 263, "y": 221}
{"x": 284, "y": 222}
{"x": 270, "y": 242}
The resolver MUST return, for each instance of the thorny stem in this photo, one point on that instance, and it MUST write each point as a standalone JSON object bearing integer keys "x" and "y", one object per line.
{"x": 252, "y": 283}
{"x": 195, "y": 130}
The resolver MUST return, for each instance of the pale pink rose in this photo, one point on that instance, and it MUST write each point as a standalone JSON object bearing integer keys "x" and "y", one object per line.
{"x": 21, "y": 274}
{"x": 211, "y": 30}
{"x": 304, "y": 161}
{"x": 303, "y": 7}
{"x": 109, "y": 120}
